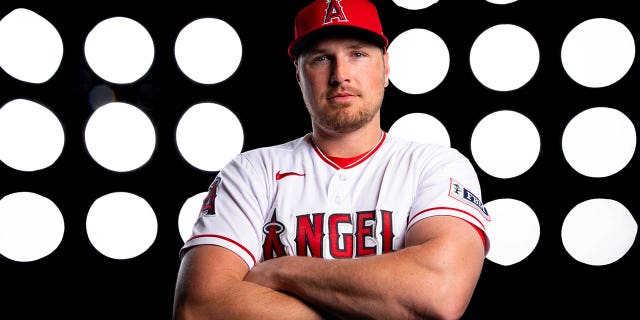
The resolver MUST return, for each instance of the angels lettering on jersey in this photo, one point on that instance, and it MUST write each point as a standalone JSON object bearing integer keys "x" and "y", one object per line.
{"x": 310, "y": 236}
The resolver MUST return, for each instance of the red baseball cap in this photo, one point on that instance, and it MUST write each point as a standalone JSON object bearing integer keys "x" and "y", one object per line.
{"x": 357, "y": 18}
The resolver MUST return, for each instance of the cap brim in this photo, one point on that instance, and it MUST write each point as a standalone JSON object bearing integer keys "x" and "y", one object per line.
{"x": 301, "y": 43}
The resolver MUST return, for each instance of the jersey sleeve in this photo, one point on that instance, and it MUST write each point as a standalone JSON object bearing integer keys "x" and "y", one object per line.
{"x": 232, "y": 213}
{"x": 449, "y": 186}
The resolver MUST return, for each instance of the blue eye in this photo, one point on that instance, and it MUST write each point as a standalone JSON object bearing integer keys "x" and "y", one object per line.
{"x": 321, "y": 58}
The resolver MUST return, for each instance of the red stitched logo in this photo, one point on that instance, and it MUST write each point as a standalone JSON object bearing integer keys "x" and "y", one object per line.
{"x": 334, "y": 11}
{"x": 286, "y": 174}
{"x": 208, "y": 204}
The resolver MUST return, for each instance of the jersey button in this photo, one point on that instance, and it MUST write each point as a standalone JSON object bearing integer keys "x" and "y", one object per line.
{"x": 343, "y": 177}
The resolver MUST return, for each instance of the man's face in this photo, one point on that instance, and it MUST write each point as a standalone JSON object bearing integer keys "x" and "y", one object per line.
{"x": 342, "y": 82}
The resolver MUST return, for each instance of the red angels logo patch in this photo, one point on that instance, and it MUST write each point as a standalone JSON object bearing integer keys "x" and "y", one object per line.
{"x": 208, "y": 204}
{"x": 334, "y": 12}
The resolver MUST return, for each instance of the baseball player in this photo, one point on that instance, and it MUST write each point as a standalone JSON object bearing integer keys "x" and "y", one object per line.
{"x": 346, "y": 221}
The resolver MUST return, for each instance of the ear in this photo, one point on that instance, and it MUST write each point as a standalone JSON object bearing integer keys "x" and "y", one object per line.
{"x": 297, "y": 66}
{"x": 386, "y": 69}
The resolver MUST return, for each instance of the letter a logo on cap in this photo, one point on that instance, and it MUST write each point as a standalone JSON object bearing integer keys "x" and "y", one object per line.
{"x": 325, "y": 17}
{"x": 334, "y": 11}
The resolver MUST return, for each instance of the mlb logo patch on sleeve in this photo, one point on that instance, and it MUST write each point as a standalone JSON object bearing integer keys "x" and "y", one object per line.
{"x": 462, "y": 194}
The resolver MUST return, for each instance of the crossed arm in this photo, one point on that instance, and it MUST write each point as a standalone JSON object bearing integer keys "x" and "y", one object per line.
{"x": 433, "y": 277}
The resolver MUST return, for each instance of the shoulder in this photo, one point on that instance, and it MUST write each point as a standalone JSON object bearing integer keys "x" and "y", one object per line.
{"x": 268, "y": 157}
{"x": 432, "y": 151}
{"x": 263, "y": 162}
{"x": 275, "y": 151}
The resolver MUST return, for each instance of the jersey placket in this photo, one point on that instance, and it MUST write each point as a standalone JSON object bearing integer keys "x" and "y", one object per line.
{"x": 339, "y": 194}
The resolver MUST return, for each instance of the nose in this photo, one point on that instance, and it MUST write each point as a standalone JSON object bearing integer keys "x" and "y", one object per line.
{"x": 339, "y": 72}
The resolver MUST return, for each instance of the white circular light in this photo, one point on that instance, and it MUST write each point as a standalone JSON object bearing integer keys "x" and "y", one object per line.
{"x": 31, "y": 226}
{"x": 599, "y": 142}
{"x": 414, "y": 4}
{"x": 421, "y": 128}
{"x": 119, "y": 50}
{"x": 514, "y": 231}
{"x": 31, "y": 136}
{"x": 31, "y": 47}
{"x": 121, "y": 225}
{"x": 599, "y": 231}
{"x": 209, "y": 136}
{"x": 504, "y": 57}
{"x": 208, "y": 50}
{"x": 120, "y": 137}
{"x": 419, "y": 61}
{"x": 505, "y": 144}
{"x": 189, "y": 214}
{"x": 598, "y": 52}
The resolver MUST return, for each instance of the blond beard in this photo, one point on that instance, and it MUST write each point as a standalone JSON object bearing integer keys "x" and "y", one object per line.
{"x": 339, "y": 119}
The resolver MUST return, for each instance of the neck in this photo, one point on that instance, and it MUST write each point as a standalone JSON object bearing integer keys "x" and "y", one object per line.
{"x": 346, "y": 145}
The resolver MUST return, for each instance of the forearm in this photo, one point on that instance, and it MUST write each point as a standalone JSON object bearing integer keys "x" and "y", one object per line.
{"x": 210, "y": 285}
{"x": 244, "y": 300}
{"x": 376, "y": 287}
{"x": 432, "y": 278}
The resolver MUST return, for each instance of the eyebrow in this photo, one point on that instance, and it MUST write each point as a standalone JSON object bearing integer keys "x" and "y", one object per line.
{"x": 354, "y": 44}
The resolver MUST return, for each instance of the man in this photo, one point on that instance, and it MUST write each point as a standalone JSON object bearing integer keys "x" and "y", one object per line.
{"x": 347, "y": 221}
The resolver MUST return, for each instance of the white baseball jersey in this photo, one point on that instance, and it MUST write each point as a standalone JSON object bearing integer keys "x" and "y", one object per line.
{"x": 291, "y": 199}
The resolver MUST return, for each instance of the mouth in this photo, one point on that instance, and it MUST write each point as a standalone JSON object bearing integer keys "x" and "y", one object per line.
{"x": 342, "y": 96}
{"x": 341, "y": 99}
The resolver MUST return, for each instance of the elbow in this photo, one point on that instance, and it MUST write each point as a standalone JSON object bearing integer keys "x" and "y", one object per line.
{"x": 441, "y": 312}
{"x": 447, "y": 306}
{"x": 449, "y": 311}
{"x": 186, "y": 309}
{"x": 180, "y": 312}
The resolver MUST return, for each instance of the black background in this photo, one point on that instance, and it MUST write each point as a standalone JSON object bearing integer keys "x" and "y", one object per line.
{"x": 78, "y": 281}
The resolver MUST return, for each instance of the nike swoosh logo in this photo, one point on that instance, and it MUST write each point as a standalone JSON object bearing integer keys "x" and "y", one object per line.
{"x": 286, "y": 174}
